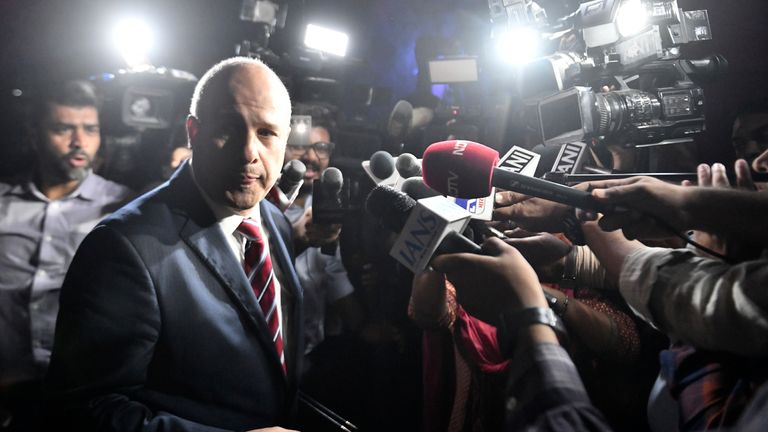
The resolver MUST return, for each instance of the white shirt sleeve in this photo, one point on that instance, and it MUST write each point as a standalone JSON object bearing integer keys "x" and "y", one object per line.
{"x": 700, "y": 301}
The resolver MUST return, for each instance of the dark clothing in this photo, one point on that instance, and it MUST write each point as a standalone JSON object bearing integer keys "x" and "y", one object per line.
{"x": 546, "y": 394}
{"x": 159, "y": 328}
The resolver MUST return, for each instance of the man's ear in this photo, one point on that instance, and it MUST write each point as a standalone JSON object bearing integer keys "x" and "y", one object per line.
{"x": 193, "y": 126}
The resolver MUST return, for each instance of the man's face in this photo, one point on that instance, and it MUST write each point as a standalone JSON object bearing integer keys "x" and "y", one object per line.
{"x": 750, "y": 138}
{"x": 315, "y": 157}
{"x": 240, "y": 141}
{"x": 68, "y": 142}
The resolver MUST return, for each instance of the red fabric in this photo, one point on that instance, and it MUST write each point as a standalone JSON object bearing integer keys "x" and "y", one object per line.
{"x": 478, "y": 341}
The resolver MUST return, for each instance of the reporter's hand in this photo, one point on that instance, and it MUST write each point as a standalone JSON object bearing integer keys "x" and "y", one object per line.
{"x": 646, "y": 200}
{"x": 313, "y": 234}
{"x": 531, "y": 214}
{"x": 499, "y": 281}
{"x": 543, "y": 251}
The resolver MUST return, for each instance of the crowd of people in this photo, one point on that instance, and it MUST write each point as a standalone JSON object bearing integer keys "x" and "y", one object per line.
{"x": 201, "y": 306}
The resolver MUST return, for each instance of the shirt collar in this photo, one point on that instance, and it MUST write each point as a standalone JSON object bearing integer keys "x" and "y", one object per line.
{"x": 227, "y": 218}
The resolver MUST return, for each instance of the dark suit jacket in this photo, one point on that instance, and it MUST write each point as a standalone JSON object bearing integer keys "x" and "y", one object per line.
{"x": 158, "y": 327}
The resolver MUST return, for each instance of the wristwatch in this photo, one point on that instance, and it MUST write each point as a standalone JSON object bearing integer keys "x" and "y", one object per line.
{"x": 510, "y": 324}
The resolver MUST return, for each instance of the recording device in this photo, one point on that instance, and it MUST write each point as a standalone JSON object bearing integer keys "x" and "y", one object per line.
{"x": 427, "y": 227}
{"x": 265, "y": 16}
{"x": 381, "y": 168}
{"x": 400, "y": 120}
{"x": 415, "y": 188}
{"x": 407, "y": 166}
{"x": 632, "y": 48}
{"x": 331, "y": 198}
{"x": 468, "y": 169}
{"x": 288, "y": 186}
{"x": 667, "y": 116}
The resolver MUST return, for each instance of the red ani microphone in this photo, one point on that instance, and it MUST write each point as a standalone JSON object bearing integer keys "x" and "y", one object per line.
{"x": 466, "y": 169}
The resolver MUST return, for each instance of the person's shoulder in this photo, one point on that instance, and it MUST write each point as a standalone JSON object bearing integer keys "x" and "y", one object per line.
{"x": 108, "y": 190}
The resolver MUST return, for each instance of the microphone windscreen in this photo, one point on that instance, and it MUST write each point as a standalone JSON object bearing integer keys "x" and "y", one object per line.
{"x": 457, "y": 168}
{"x": 332, "y": 180}
{"x": 382, "y": 164}
{"x": 548, "y": 157}
{"x": 294, "y": 171}
{"x": 390, "y": 206}
{"x": 407, "y": 166}
{"x": 415, "y": 188}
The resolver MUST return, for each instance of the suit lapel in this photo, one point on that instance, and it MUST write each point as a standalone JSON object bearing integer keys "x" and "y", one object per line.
{"x": 202, "y": 234}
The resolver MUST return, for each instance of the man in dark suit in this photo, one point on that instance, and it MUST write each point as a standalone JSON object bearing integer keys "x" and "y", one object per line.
{"x": 159, "y": 326}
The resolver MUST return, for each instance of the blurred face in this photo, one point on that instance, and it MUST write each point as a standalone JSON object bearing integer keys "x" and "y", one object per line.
{"x": 750, "y": 139}
{"x": 316, "y": 156}
{"x": 240, "y": 141}
{"x": 68, "y": 143}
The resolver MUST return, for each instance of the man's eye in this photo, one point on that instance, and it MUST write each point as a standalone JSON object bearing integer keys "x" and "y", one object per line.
{"x": 266, "y": 132}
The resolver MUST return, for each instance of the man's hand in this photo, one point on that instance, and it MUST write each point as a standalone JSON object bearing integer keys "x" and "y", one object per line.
{"x": 313, "y": 234}
{"x": 650, "y": 205}
{"x": 531, "y": 214}
{"x": 500, "y": 280}
{"x": 543, "y": 251}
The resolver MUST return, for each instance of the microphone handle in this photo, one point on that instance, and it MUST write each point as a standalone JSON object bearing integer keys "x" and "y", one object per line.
{"x": 454, "y": 242}
{"x": 668, "y": 177}
{"x": 544, "y": 189}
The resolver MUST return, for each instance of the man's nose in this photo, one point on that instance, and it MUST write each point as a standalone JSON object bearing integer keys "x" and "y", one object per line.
{"x": 78, "y": 135}
{"x": 252, "y": 146}
{"x": 760, "y": 164}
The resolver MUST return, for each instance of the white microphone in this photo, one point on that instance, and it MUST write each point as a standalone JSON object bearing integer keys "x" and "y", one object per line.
{"x": 427, "y": 227}
{"x": 381, "y": 168}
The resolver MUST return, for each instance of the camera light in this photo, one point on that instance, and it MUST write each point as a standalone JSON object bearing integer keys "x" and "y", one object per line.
{"x": 632, "y": 18}
{"x": 326, "y": 40}
{"x": 519, "y": 45}
{"x": 133, "y": 38}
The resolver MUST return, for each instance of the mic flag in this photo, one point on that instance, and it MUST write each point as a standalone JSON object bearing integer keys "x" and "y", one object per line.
{"x": 447, "y": 166}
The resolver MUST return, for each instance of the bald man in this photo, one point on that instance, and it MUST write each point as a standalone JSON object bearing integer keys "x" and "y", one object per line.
{"x": 175, "y": 313}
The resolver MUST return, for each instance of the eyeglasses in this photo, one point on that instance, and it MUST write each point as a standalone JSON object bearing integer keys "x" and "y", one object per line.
{"x": 322, "y": 149}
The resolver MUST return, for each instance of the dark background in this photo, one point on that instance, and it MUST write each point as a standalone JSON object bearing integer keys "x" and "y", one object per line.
{"x": 45, "y": 40}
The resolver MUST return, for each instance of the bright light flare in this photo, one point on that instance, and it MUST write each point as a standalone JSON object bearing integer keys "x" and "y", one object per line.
{"x": 519, "y": 46}
{"x": 133, "y": 38}
{"x": 632, "y": 18}
{"x": 326, "y": 40}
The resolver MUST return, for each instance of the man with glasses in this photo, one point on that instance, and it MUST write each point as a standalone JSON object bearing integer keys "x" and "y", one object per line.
{"x": 318, "y": 262}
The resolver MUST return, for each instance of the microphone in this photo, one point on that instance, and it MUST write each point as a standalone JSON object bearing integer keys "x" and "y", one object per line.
{"x": 381, "y": 168}
{"x": 571, "y": 158}
{"x": 415, "y": 188}
{"x": 467, "y": 169}
{"x": 667, "y": 177}
{"x": 427, "y": 227}
{"x": 289, "y": 185}
{"x": 332, "y": 180}
{"x": 407, "y": 166}
{"x": 548, "y": 156}
{"x": 328, "y": 197}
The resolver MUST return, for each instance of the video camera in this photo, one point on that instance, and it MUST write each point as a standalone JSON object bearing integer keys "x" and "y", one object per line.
{"x": 621, "y": 79}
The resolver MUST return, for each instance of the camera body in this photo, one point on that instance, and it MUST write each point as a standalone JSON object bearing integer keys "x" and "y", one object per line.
{"x": 611, "y": 85}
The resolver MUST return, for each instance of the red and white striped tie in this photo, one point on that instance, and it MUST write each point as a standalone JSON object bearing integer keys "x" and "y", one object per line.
{"x": 258, "y": 270}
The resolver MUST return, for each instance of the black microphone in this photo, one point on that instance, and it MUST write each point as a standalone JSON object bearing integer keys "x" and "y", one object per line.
{"x": 287, "y": 188}
{"x": 667, "y": 177}
{"x": 332, "y": 180}
{"x": 382, "y": 164}
{"x": 407, "y": 166}
{"x": 415, "y": 188}
{"x": 427, "y": 228}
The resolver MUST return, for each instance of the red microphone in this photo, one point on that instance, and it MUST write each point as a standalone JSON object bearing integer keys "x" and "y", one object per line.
{"x": 466, "y": 169}
{"x": 462, "y": 169}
